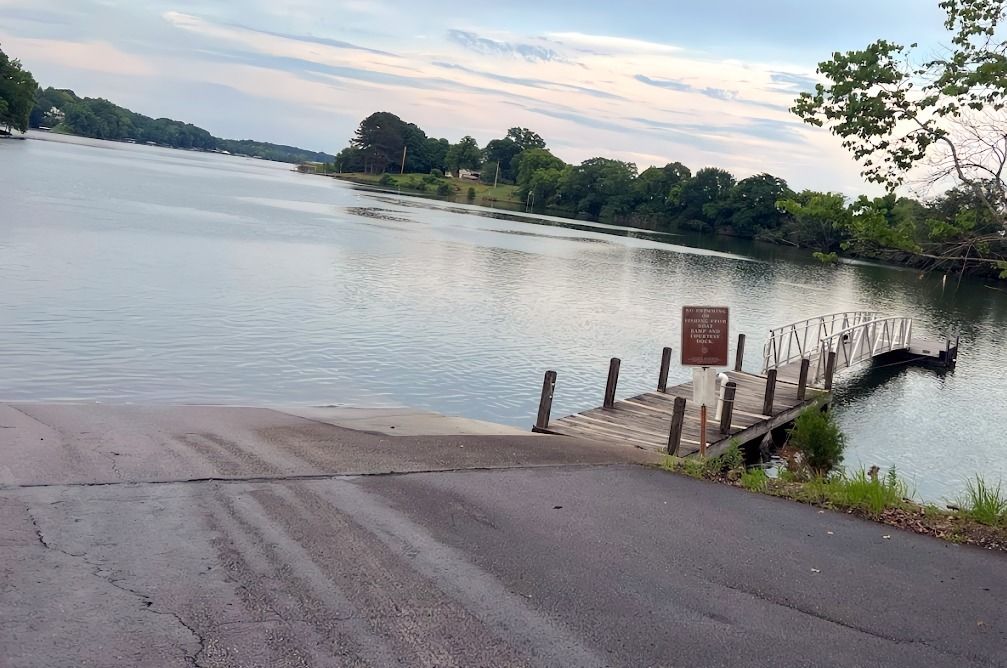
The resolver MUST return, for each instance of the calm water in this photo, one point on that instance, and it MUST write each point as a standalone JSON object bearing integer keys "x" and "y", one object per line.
{"x": 135, "y": 274}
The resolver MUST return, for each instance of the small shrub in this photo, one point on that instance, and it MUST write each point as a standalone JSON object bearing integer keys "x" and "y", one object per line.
{"x": 436, "y": 173}
{"x": 387, "y": 180}
{"x": 755, "y": 480}
{"x": 471, "y": 193}
{"x": 818, "y": 439}
{"x": 421, "y": 187}
{"x": 826, "y": 258}
{"x": 985, "y": 503}
{"x": 430, "y": 179}
{"x": 443, "y": 190}
{"x": 733, "y": 458}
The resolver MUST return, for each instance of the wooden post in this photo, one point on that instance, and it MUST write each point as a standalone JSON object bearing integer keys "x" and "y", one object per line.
{"x": 662, "y": 379}
{"x": 802, "y": 382}
{"x": 830, "y": 369}
{"x": 613, "y": 380}
{"x": 702, "y": 431}
{"x": 739, "y": 356}
{"x": 677, "y": 420}
{"x": 727, "y": 412}
{"x": 545, "y": 403}
{"x": 767, "y": 405}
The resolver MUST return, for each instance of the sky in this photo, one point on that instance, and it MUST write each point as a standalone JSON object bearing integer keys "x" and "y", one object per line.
{"x": 703, "y": 83}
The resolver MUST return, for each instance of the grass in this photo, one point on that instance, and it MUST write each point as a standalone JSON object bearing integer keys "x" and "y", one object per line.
{"x": 985, "y": 503}
{"x": 860, "y": 491}
{"x": 427, "y": 185}
{"x": 980, "y": 518}
{"x": 730, "y": 464}
{"x": 755, "y": 480}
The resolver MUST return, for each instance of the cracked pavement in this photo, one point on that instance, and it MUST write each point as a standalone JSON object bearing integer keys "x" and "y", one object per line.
{"x": 207, "y": 536}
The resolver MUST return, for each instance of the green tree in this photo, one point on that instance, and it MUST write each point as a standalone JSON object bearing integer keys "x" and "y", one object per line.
{"x": 525, "y": 138}
{"x": 501, "y": 152}
{"x": 436, "y": 152}
{"x": 896, "y": 113}
{"x": 380, "y": 138}
{"x": 698, "y": 198}
{"x": 881, "y": 225}
{"x": 820, "y": 221}
{"x": 529, "y": 162}
{"x": 655, "y": 189}
{"x": 463, "y": 155}
{"x": 750, "y": 206}
{"x": 17, "y": 93}
{"x": 598, "y": 188}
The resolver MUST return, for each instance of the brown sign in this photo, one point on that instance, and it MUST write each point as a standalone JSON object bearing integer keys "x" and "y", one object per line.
{"x": 704, "y": 335}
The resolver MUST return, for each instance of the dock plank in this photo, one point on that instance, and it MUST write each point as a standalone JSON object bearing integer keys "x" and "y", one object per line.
{"x": 644, "y": 421}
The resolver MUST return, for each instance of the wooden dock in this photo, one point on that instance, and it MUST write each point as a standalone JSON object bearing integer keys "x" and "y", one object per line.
{"x": 799, "y": 361}
{"x": 668, "y": 420}
{"x": 645, "y": 421}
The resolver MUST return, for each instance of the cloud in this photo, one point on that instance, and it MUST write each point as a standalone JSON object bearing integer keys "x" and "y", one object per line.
{"x": 310, "y": 39}
{"x": 765, "y": 129}
{"x": 796, "y": 83}
{"x": 721, "y": 94}
{"x": 665, "y": 83}
{"x": 491, "y": 47}
{"x": 32, "y": 15}
{"x": 581, "y": 119}
{"x": 532, "y": 83}
{"x": 682, "y": 87}
{"x": 92, "y": 56}
{"x": 606, "y": 45}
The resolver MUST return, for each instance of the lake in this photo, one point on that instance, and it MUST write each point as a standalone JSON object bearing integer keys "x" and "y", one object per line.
{"x": 134, "y": 274}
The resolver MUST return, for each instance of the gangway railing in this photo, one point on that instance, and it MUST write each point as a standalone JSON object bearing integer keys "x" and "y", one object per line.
{"x": 855, "y": 337}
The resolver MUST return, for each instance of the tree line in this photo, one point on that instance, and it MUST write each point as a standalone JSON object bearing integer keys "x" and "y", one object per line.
{"x": 63, "y": 111}
{"x": 23, "y": 105}
{"x": 673, "y": 198}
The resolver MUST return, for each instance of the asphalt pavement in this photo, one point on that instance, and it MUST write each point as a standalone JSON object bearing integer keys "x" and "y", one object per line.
{"x": 208, "y": 536}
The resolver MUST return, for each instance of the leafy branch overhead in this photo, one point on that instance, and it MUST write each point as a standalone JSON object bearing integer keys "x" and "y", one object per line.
{"x": 944, "y": 113}
{"x": 938, "y": 121}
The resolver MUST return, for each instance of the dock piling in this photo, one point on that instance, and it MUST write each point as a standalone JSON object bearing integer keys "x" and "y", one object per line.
{"x": 613, "y": 380}
{"x": 662, "y": 379}
{"x": 830, "y": 370}
{"x": 545, "y": 403}
{"x": 727, "y": 413}
{"x": 677, "y": 420}
{"x": 802, "y": 381}
{"x": 739, "y": 355}
{"x": 767, "y": 404}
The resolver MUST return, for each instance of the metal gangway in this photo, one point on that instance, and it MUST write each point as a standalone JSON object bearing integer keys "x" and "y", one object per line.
{"x": 855, "y": 337}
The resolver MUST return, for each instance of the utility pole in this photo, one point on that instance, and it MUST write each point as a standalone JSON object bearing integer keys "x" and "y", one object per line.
{"x": 496, "y": 176}
{"x": 403, "y": 170}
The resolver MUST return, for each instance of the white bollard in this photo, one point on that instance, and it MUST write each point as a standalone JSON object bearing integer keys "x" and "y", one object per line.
{"x": 724, "y": 379}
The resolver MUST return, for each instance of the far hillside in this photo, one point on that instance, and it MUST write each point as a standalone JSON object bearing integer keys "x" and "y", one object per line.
{"x": 61, "y": 110}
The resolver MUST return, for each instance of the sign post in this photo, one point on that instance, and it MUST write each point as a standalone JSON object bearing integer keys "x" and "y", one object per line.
{"x": 704, "y": 345}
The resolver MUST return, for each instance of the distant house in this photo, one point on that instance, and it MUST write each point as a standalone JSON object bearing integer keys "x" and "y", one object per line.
{"x": 468, "y": 174}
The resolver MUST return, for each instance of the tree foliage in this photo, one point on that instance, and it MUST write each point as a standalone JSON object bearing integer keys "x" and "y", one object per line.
{"x": 940, "y": 119}
{"x": 17, "y": 94}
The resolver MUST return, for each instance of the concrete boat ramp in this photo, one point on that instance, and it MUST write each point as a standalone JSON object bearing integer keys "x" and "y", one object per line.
{"x": 213, "y": 536}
